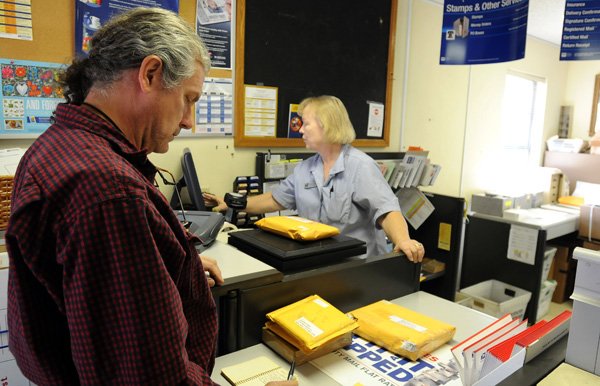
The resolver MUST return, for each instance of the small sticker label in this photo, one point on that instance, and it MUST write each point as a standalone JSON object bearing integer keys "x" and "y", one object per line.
{"x": 321, "y": 302}
{"x": 409, "y": 346}
{"x": 309, "y": 327}
{"x": 406, "y": 323}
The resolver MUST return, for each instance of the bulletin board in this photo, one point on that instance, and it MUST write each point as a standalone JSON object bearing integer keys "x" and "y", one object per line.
{"x": 52, "y": 48}
{"x": 312, "y": 48}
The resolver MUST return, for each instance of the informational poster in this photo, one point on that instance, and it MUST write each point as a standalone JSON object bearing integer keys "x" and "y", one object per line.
{"x": 260, "y": 111}
{"x": 375, "y": 125}
{"x": 294, "y": 122}
{"x": 580, "y": 38}
{"x": 480, "y": 32}
{"x": 15, "y": 19}
{"x": 90, "y": 15}
{"x": 213, "y": 25}
{"x": 214, "y": 110}
{"x": 522, "y": 243}
{"x": 415, "y": 206}
{"x": 30, "y": 93}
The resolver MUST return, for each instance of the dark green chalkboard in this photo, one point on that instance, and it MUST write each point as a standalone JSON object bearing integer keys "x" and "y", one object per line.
{"x": 314, "y": 47}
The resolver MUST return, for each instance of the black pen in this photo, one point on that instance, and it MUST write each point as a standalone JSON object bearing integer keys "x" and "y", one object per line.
{"x": 291, "y": 373}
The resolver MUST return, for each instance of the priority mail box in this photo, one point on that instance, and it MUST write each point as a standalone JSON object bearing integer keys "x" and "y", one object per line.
{"x": 589, "y": 222}
{"x": 493, "y": 205}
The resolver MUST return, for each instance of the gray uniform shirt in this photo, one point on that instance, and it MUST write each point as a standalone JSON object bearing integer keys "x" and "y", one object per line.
{"x": 351, "y": 198}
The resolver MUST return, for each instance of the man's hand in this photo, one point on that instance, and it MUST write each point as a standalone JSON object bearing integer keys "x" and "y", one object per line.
{"x": 212, "y": 270}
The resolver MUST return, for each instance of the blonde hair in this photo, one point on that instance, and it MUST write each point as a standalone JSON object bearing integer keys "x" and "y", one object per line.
{"x": 332, "y": 116}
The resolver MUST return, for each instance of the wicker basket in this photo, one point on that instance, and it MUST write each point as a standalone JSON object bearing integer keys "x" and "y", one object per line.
{"x": 6, "y": 184}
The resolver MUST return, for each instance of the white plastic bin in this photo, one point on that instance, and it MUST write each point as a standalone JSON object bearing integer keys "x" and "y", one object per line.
{"x": 546, "y": 293}
{"x": 548, "y": 258}
{"x": 463, "y": 300}
{"x": 496, "y": 298}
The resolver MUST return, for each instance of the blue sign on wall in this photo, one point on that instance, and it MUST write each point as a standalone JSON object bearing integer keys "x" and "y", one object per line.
{"x": 581, "y": 31}
{"x": 479, "y": 32}
{"x": 92, "y": 14}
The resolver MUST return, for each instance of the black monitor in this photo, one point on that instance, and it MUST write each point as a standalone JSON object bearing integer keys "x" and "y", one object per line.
{"x": 189, "y": 180}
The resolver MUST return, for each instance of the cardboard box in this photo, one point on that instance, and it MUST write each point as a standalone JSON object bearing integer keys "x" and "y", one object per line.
{"x": 289, "y": 352}
{"x": 589, "y": 222}
{"x": 591, "y": 245}
{"x": 559, "y": 271}
{"x": 432, "y": 265}
{"x": 491, "y": 204}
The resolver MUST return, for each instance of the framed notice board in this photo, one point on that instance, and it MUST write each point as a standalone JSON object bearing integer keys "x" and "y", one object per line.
{"x": 288, "y": 50}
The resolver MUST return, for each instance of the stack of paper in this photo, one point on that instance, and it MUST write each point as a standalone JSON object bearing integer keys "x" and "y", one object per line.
{"x": 310, "y": 323}
{"x": 500, "y": 349}
{"x": 255, "y": 372}
{"x": 413, "y": 170}
{"x": 9, "y": 160}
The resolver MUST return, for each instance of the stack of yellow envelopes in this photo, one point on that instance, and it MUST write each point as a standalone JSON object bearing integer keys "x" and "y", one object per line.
{"x": 311, "y": 323}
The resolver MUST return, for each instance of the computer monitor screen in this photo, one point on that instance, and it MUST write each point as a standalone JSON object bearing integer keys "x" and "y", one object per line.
{"x": 189, "y": 180}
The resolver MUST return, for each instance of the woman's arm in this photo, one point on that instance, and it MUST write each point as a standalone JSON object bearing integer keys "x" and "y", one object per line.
{"x": 395, "y": 228}
{"x": 259, "y": 204}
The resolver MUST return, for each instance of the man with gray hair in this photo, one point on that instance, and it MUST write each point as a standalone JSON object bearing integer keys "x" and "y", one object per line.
{"x": 105, "y": 285}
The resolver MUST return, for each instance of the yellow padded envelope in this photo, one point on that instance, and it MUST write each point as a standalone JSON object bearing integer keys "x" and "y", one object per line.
{"x": 297, "y": 228}
{"x": 311, "y": 322}
{"x": 401, "y": 330}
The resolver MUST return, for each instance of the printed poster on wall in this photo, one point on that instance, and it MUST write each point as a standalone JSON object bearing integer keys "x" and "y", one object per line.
{"x": 29, "y": 95}
{"x": 260, "y": 111}
{"x": 480, "y": 32}
{"x": 375, "y": 122}
{"x": 294, "y": 122}
{"x": 214, "y": 110}
{"x": 90, "y": 15}
{"x": 15, "y": 19}
{"x": 580, "y": 38}
{"x": 213, "y": 25}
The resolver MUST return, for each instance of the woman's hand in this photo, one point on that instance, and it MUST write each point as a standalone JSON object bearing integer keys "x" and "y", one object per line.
{"x": 212, "y": 271}
{"x": 216, "y": 202}
{"x": 413, "y": 250}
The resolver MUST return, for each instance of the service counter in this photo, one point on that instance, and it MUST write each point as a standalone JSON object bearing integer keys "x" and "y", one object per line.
{"x": 252, "y": 288}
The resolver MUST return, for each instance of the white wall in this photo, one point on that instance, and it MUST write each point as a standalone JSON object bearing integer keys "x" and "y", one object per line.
{"x": 455, "y": 110}
{"x": 436, "y": 98}
{"x": 485, "y": 102}
{"x": 579, "y": 91}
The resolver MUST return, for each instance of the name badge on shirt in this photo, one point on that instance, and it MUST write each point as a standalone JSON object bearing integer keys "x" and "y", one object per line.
{"x": 310, "y": 185}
